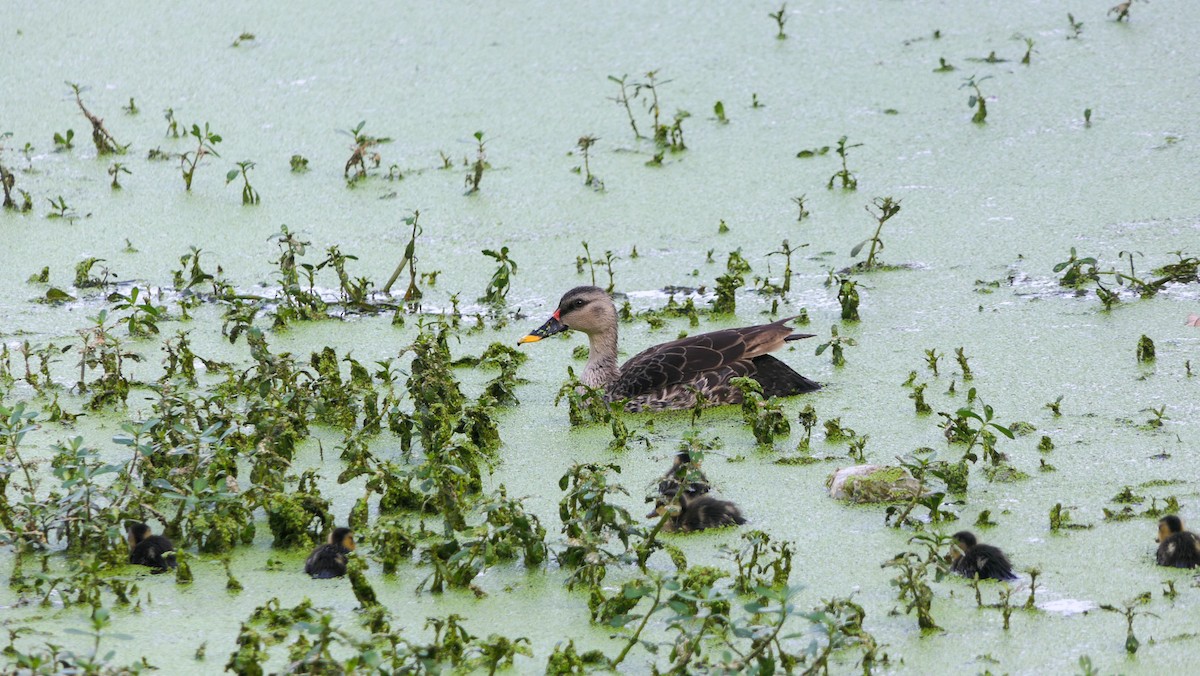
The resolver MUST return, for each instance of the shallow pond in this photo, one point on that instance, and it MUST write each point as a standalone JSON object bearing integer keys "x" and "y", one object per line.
{"x": 988, "y": 210}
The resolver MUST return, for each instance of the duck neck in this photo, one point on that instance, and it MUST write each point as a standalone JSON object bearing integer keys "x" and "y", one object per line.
{"x": 601, "y": 369}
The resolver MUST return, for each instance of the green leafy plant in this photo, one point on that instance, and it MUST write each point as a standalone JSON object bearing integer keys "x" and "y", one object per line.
{"x": 780, "y": 18}
{"x": 836, "y": 346}
{"x": 848, "y": 179}
{"x": 719, "y": 112}
{"x": 977, "y": 99}
{"x": 206, "y": 140}
{"x": 249, "y": 194}
{"x": 363, "y": 150}
{"x": 476, "y": 173}
{"x": 115, "y": 170}
{"x": 498, "y": 286}
{"x": 64, "y": 141}
{"x": 1131, "y": 609}
{"x": 1075, "y": 26}
{"x": 887, "y": 208}
{"x": 624, "y": 97}
{"x": 585, "y": 144}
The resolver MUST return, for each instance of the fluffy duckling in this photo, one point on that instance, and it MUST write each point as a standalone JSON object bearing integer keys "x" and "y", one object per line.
{"x": 329, "y": 560}
{"x": 698, "y": 512}
{"x": 148, "y": 549}
{"x": 971, "y": 559}
{"x": 1177, "y": 547}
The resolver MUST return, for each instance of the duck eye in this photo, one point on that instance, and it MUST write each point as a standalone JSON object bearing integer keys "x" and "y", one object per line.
{"x": 578, "y": 302}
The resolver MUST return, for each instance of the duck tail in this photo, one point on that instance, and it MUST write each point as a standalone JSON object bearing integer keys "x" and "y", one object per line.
{"x": 780, "y": 380}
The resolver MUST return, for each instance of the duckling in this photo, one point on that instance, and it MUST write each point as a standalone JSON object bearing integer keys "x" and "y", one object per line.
{"x": 329, "y": 560}
{"x": 1177, "y": 548}
{"x": 670, "y": 375}
{"x": 698, "y": 512}
{"x": 148, "y": 549}
{"x": 970, "y": 559}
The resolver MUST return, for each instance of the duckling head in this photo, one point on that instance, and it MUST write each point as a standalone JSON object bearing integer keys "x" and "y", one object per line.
{"x": 963, "y": 540}
{"x": 343, "y": 537}
{"x": 585, "y": 308}
{"x": 1168, "y": 526}
{"x": 135, "y": 532}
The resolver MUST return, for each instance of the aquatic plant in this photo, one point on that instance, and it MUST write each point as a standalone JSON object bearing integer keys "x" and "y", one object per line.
{"x": 943, "y": 66}
{"x": 675, "y": 132}
{"x": 103, "y": 140}
{"x": 912, "y": 587}
{"x": 961, "y": 358}
{"x": 299, "y": 164}
{"x": 764, "y": 416}
{"x": 585, "y": 144}
{"x": 760, "y": 562}
{"x": 64, "y": 140}
{"x": 61, "y": 209}
{"x": 590, "y": 521}
{"x": 624, "y": 97}
{"x": 1029, "y": 51}
{"x": 725, "y": 301}
{"x": 660, "y": 131}
{"x": 8, "y": 183}
{"x": 362, "y": 151}
{"x": 887, "y": 208}
{"x": 1060, "y": 519}
{"x": 780, "y": 18}
{"x": 1131, "y": 609}
{"x": 848, "y": 298}
{"x": 848, "y": 179}
{"x": 719, "y": 112}
{"x": 206, "y": 141}
{"x": 243, "y": 37}
{"x": 249, "y": 194}
{"x": 476, "y": 173}
{"x": 918, "y": 397}
{"x": 1145, "y": 349}
{"x": 976, "y": 100}
{"x": 801, "y": 203}
{"x": 1075, "y": 26}
{"x": 115, "y": 170}
{"x": 498, "y": 285}
{"x": 836, "y": 346}
{"x": 412, "y": 294}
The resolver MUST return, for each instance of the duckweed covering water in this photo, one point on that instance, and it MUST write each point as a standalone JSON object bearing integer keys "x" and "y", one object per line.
{"x": 229, "y": 370}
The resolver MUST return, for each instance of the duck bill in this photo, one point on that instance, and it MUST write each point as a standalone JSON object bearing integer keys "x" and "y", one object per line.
{"x": 551, "y": 327}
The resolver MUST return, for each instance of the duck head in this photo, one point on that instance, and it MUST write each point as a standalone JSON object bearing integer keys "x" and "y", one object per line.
{"x": 585, "y": 308}
{"x": 343, "y": 537}
{"x": 962, "y": 541}
{"x": 135, "y": 532}
{"x": 1168, "y": 526}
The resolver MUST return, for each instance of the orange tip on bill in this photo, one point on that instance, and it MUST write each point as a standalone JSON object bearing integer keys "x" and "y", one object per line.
{"x": 529, "y": 339}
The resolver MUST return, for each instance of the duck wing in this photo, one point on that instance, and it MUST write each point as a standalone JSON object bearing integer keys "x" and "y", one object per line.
{"x": 715, "y": 356}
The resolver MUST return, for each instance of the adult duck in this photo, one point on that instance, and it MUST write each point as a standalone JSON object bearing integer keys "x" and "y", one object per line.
{"x": 669, "y": 376}
{"x": 1177, "y": 548}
